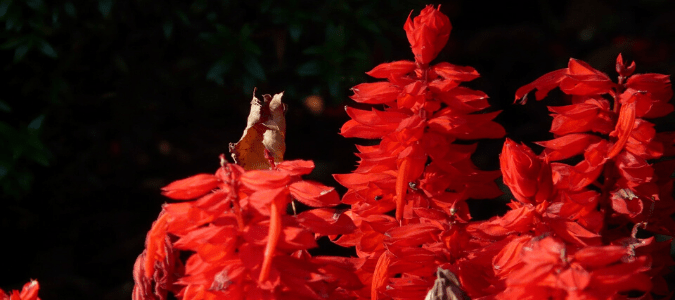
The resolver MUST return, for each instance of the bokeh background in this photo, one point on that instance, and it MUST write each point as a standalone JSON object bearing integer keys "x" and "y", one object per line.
{"x": 103, "y": 102}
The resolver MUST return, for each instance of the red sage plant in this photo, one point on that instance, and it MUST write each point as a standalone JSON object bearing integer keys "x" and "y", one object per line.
{"x": 573, "y": 231}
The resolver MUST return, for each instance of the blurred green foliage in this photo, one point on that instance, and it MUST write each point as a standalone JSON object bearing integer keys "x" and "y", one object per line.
{"x": 61, "y": 54}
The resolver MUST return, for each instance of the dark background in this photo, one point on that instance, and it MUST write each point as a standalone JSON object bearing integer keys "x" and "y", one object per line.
{"x": 104, "y": 102}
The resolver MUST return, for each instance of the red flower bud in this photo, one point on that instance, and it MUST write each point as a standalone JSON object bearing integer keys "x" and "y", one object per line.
{"x": 427, "y": 34}
{"x": 528, "y": 177}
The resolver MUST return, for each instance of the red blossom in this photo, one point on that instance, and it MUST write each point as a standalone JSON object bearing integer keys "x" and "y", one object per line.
{"x": 427, "y": 33}
{"x": 528, "y": 176}
{"x": 28, "y": 292}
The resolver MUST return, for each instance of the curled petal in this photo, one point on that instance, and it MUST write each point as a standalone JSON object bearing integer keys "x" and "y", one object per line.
{"x": 392, "y": 69}
{"x": 375, "y": 93}
{"x": 314, "y": 194}
{"x": 326, "y": 221}
{"x": 296, "y": 167}
{"x": 191, "y": 187}
{"x": 543, "y": 84}
{"x": 265, "y": 179}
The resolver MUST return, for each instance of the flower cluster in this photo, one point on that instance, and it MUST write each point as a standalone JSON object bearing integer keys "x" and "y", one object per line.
{"x": 572, "y": 230}
{"x": 28, "y": 292}
{"x": 417, "y": 169}
{"x": 582, "y": 230}
{"x": 240, "y": 240}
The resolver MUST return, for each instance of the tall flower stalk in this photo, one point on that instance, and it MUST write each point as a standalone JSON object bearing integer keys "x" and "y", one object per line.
{"x": 417, "y": 169}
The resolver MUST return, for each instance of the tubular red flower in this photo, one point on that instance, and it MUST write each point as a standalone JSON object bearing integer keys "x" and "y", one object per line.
{"x": 427, "y": 33}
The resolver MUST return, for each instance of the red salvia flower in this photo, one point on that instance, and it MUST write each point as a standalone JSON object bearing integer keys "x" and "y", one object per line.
{"x": 28, "y": 292}
{"x": 628, "y": 185}
{"x": 235, "y": 225}
{"x": 417, "y": 170}
{"x": 571, "y": 231}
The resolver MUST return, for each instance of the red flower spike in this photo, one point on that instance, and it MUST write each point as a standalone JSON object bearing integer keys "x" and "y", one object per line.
{"x": 427, "y": 33}
{"x": 191, "y": 187}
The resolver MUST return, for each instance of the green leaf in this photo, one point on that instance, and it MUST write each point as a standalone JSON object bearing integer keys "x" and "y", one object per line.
{"x": 168, "y": 29}
{"x": 248, "y": 83}
{"x": 4, "y": 5}
{"x": 3, "y": 170}
{"x": 20, "y": 52}
{"x": 13, "y": 43}
{"x": 47, "y": 49}
{"x": 183, "y": 17}
{"x": 295, "y": 30}
{"x": 216, "y": 72}
{"x": 334, "y": 88}
{"x": 4, "y": 107}
{"x": 35, "y": 4}
{"x": 104, "y": 7}
{"x": 254, "y": 68}
{"x": 36, "y": 123}
{"x": 69, "y": 8}
{"x": 309, "y": 68}
{"x": 313, "y": 50}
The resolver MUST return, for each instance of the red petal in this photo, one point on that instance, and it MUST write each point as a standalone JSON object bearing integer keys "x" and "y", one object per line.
{"x": 375, "y": 93}
{"x": 30, "y": 290}
{"x": 191, "y": 187}
{"x": 600, "y": 256}
{"x": 380, "y": 274}
{"x": 326, "y": 221}
{"x": 314, "y": 194}
{"x": 543, "y": 84}
{"x": 296, "y": 167}
{"x": 568, "y": 145}
{"x": 392, "y": 69}
{"x": 455, "y": 73}
{"x": 264, "y": 179}
{"x": 261, "y": 200}
{"x": 412, "y": 235}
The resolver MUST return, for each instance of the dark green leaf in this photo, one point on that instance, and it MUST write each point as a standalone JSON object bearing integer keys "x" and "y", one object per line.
{"x": 216, "y": 72}
{"x": 70, "y": 9}
{"x": 309, "y": 68}
{"x": 105, "y": 6}
{"x": 254, "y": 68}
{"x": 13, "y": 42}
{"x": 4, "y": 5}
{"x": 295, "y": 30}
{"x": 20, "y": 52}
{"x": 35, "y": 4}
{"x": 36, "y": 123}
{"x": 168, "y": 29}
{"x": 4, "y": 107}
{"x": 47, "y": 49}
